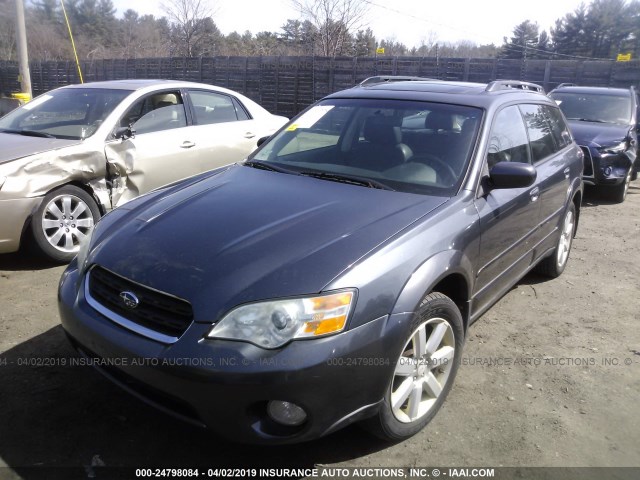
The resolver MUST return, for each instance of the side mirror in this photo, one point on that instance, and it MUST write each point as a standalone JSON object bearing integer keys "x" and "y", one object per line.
{"x": 262, "y": 140}
{"x": 123, "y": 133}
{"x": 512, "y": 175}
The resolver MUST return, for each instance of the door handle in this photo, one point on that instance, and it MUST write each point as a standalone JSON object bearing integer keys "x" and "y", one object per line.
{"x": 187, "y": 144}
{"x": 535, "y": 194}
{"x": 567, "y": 171}
{"x": 249, "y": 135}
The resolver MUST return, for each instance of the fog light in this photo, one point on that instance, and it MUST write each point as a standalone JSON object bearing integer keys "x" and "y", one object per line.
{"x": 607, "y": 171}
{"x": 286, "y": 413}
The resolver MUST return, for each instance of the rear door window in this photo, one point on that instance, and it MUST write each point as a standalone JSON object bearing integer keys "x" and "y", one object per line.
{"x": 539, "y": 129}
{"x": 212, "y": 107}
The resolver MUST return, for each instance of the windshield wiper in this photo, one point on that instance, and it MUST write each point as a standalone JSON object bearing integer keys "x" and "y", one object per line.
{"x": 350, "y": 179}
{"x": 29, "y": 133}
{"x": 267, "y": 166}
{"x": 593, "y": 120}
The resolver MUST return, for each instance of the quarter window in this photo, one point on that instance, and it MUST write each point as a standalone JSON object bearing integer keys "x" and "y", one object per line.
{"x": 508, "y": 141}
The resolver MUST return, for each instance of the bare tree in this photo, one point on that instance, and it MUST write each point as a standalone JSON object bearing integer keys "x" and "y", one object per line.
{"x": 7, "y": 33}
{"x": 335, "y": 21}
{"x": 189, "y": 21}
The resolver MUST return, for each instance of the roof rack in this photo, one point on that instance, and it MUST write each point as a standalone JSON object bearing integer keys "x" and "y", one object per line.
{"x": 513, "y": 84}
{"x": 391, "y": 78}
{"x": 568, "y": 84}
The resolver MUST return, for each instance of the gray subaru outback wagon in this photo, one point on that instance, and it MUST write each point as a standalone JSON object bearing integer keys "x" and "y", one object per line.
{"x": 332, "y": 276}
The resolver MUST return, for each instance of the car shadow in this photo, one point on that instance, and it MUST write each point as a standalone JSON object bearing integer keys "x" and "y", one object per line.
{"x": 594, "y": 197}
{"x": 57, "y": 415}
{"x": 24, "y": 260}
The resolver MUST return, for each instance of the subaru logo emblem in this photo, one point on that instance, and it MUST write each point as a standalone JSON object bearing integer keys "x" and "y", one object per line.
{"x": 130, "y": 300}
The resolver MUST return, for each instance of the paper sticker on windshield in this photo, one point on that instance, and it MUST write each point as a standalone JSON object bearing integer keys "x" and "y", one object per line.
{"x": 310, "y": 118}
{"x": 292, "y": 127}
{"x": 37, "y": 101}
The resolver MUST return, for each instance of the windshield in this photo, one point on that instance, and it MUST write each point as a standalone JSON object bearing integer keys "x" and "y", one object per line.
{"x": 589, "y": 107}
{"x": 408, "y": 146}
{"x": 69, "y": 113}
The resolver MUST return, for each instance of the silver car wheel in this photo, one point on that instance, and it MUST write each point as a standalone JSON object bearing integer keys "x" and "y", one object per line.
{"x": 566, "y": 237}
{"x": 66, "y": 221}
{"x": 422, "y": 370}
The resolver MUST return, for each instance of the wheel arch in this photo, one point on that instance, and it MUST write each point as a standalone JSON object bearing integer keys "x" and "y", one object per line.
{"x": 577, "y": 202}
{"x": 447, "y": 272}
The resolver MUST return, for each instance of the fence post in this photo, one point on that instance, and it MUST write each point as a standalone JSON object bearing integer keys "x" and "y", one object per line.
{"x": 547, "y": 75}
{"x": 611, "y": 73}
{"x": 465, "y": 76}
{"x": 313, "y": 77}
{"x": 277, "y": 99}
{"x": 331, "y": 74}
{"x": 246, "y": 74}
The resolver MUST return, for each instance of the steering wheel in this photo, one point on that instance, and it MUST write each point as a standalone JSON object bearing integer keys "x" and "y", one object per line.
{"x": 442, "y": 168}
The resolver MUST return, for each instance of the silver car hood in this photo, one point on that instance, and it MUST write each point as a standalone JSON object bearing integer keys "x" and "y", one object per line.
{"x": 14, "y": 146}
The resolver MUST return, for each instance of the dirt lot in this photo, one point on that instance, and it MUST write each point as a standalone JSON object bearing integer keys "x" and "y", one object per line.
{"x": 551, "y": 377}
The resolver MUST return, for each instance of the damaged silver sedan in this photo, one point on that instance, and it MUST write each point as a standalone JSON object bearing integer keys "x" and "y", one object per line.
{"x": 72, "y": 154}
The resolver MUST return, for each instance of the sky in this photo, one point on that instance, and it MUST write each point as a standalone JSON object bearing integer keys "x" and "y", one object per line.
{"x": 407, "y": 21}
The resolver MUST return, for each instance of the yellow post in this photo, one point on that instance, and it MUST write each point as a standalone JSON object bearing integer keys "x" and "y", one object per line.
{"x": 73, "y": 44}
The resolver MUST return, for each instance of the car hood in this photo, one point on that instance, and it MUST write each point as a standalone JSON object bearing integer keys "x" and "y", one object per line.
{"x": 15, "y": 146}
{"x": 601, "y": 134}
{"x": 247, "y": 234}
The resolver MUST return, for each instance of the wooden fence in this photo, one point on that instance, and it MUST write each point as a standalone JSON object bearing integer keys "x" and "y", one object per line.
{"x": 286, "y": 85}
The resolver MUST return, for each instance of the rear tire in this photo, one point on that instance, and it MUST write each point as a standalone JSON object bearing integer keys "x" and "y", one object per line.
{"x": 554, "y": 264}
{"x": 424, "y": 372}
{"x": 63, "y": 219}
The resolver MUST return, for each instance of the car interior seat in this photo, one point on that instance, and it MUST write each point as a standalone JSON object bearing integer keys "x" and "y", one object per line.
{"x": 382, "y": 147}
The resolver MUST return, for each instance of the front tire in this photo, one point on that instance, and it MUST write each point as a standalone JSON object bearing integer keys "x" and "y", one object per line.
{"x": 424, "y": 371}
{"x": 61, "y": 222}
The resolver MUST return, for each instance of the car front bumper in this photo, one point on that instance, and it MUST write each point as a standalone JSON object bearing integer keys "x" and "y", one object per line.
{"x": 607, "y": 169}
{"x": 226, "y": 385}
{"x": 14, "y": 214}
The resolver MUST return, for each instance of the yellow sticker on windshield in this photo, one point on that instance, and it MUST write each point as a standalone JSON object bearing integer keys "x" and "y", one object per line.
{"x": 292, "y": 127}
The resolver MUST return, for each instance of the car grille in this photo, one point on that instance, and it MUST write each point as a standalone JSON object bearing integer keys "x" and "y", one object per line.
{"x": 156, "y": 311}
{"x": 587, "y": 162}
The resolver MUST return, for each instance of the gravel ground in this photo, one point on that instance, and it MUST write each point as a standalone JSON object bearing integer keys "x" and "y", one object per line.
{"x": 550, "y": 377}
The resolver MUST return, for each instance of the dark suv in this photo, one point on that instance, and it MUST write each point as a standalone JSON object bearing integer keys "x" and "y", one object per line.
{"x": 331, "y": 277}
{"x": 604, "y": 122}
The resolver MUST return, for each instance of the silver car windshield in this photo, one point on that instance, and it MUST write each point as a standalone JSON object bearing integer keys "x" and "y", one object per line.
{"x": 598, "y": 108}
{"x": 409, "y": 146}
{"x": 70, "y": 113}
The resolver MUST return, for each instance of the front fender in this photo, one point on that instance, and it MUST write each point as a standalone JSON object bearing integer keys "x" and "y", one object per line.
{"x": 429, "y": 274}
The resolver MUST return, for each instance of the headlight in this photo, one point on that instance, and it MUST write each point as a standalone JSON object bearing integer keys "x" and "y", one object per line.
{"x": 617, "y": 147}
{"x": 85, "y": 243}
{"x": 272, "y": 324}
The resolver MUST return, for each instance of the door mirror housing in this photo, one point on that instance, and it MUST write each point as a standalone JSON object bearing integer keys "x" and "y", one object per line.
{"x": 262, "y": 140}
{"x": 512, "y": 175}
{"x": 123, "y": 133}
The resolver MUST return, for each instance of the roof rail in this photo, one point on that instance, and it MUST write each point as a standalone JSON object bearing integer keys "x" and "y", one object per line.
{"x": 513, "y": 84}
{"x": 568, "y": 84}
{"x": 391, "y": 78}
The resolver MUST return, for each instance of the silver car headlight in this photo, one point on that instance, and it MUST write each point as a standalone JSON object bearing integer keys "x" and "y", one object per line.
{"x": 85, "y": 245}
{"x": 271, "y": 324}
